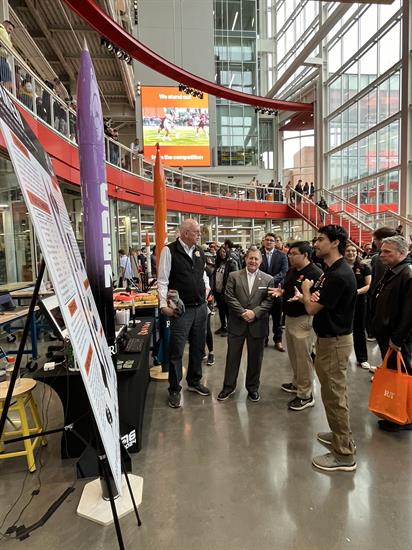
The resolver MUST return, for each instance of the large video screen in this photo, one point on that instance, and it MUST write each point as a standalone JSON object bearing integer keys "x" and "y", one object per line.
{"x": 177, "y": 121}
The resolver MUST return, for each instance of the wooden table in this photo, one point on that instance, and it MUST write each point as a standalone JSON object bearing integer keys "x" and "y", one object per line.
{"x": 8, "y": 317}
{"x": 28, "y": 294}
{"x": 10, "y": 287}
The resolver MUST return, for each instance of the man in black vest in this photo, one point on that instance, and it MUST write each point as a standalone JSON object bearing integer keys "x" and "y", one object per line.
{"x": 182, "y": 268}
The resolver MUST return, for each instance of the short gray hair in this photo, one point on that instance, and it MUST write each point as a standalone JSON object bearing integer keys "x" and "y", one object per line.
{"x": 187, "y": 224}
{"x": 398, "y": 242}
{"x": 253, "y": 248}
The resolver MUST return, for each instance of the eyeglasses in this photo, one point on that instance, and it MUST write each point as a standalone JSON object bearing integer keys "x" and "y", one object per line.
{"x": 270, "y": 240}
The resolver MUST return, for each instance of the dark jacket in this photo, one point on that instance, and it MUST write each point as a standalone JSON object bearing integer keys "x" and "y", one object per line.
{"x": 278, "y": 266}
{"x": 230, "y": 266}
{"x": 238, "y": 299}
{"x": 186, "y": 274}
{"x": 392, "y": 312}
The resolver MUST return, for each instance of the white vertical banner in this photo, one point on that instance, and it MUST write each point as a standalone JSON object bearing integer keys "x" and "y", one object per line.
{"x": 51, "y": 222}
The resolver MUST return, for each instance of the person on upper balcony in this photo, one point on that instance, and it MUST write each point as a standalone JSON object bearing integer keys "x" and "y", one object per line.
{"x": 312, "y": 190}
{"x": 322, "y": 204}
{"x": 289, "y": 192}
{"x": 298, "y": 189}
{"x": 6, "y": 28}
{"x": 136, "y": 149}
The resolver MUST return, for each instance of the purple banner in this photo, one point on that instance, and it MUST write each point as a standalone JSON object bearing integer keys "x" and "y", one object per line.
{"x": 96, "y": 220}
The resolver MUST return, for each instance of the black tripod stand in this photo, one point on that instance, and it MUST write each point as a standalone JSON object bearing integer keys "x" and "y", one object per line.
{"x": 107, "y": 486}
{"x": 104, "y": 466}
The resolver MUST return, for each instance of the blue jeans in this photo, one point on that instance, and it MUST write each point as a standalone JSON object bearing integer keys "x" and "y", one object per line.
{"x": 190, "y": 326}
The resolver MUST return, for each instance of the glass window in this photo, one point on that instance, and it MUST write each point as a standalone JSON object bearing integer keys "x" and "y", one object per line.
{"x": 383, "y": 148}
{"x": 335, "y": 58}
{"x": 386, "y": 12}
{"x": 350, "y": 43}
{"x": 335, "y": 94}
{"x": 383, "y": 94}
{"x": 335, "y": 131}
{"x": 394, "y": 94}
{"x": 335, "y": 169}
{"x": 393, "y": 156}
{"x": 298, "y": 154}
{"x": 368, "y": 24}
{"x": 368, "y": 65}
{"x": 389, "y": 48}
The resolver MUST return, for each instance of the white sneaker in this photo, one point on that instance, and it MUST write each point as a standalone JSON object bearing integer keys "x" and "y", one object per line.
{"x": 365, "y": 365}
{"x": 372, "y": 369}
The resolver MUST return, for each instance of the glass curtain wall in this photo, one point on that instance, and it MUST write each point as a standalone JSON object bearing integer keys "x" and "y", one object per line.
{"x": 236, "y": 67}
{"x": 17, "y": 249}
{"x": 296, "y": 21}
{"x": 298, "y": 157}
{"x": 363, "y": 99}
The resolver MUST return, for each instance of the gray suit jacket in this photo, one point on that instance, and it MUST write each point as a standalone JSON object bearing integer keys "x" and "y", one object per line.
{"x": 238, "y": 300}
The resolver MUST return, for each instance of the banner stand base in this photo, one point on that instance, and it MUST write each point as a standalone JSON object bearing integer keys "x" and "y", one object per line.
{"x": 156, "y": 373}
{"x": 94, "y": 508}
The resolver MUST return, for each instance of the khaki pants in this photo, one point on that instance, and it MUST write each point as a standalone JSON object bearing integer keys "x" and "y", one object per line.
{"x": 331, "y": 362}
{"x": 299, "y": 339}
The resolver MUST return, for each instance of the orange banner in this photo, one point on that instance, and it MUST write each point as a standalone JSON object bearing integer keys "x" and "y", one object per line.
{"x": 160, "y": 207}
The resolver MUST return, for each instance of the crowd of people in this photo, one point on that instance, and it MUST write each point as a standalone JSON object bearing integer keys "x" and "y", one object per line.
{"x": 320, "y": 294}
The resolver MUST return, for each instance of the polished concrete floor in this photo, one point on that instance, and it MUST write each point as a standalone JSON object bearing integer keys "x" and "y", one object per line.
{"x": 233, "y": 476}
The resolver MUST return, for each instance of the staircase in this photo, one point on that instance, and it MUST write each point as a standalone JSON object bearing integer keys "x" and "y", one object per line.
{"x": 387, "y": 218}
{"x": 359, "y": 232}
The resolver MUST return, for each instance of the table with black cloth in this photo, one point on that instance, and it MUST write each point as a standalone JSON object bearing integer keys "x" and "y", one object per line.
{"x": 131, "y": 386}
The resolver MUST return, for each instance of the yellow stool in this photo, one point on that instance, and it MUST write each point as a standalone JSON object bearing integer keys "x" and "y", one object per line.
{"x": 22, "y": 397}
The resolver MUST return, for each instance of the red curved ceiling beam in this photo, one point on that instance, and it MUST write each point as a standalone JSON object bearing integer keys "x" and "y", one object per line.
{"x": 104, "y": 25}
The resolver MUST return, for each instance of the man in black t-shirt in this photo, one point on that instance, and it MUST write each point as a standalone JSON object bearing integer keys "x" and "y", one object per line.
{"x": 332, "y": 304}
{"x": 299, "y": 333}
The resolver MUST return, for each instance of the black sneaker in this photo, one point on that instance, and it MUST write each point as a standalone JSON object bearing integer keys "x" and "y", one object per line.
{"x": 298, "y": 404}
{"x": 210, "y": 360}
{"x": 220, "y": 330}
{"x": 174, "y": 399}
{"x": 388, "y": 426}
{"x": 223, "y": 395}
{"x": 290, "y": 388}
{"x": 253, "y": 396}
{"x": 200, "y": 389}
{"x": 223, "y": 333}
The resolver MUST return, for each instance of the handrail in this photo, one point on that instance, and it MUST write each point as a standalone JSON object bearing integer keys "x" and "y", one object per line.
{"x": 47, "y": 107}
{"x": 336, "y": 197}
{"x": 316, "y": 216}
{"x": 370, "y": 218}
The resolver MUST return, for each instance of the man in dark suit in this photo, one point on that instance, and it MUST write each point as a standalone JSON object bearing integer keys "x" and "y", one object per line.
{"x": 248, "y": 303}
{"x": 275, "y": 263}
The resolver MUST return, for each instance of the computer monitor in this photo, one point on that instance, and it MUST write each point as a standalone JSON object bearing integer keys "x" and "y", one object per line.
{"x": 6, "y": 302}
{"x": 51, "y": 309}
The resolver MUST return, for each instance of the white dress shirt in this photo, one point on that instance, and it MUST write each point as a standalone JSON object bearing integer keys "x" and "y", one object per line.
{"x": 251, "y": 279}
{"x": 127, "y": 267}
{"x": 269, "y": 254}
{"x": 163, "y": 272}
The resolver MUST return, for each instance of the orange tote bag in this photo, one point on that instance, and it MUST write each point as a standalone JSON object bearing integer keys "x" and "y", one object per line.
{"x": 389, "y": 391}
